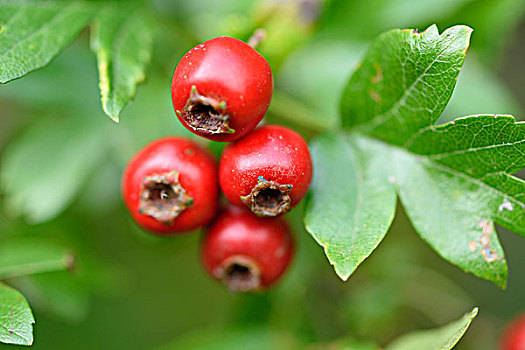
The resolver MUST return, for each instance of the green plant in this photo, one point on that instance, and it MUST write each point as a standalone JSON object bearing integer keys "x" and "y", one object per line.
{"x": 385, "y": 133}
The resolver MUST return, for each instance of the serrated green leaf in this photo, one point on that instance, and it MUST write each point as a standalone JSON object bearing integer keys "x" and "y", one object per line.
{"x": 32, "y": 34}
{"x": 453, "y": 214}
{"x": 16, "y": 318}
{"x": 122, "y": 39}
{"x": 351, "y": 204}
{"x": 404, "y": 82}
{"x": 484, "y": 150}
{"x": 454, "y": 180}
{"x": 31, "y": 256}
{"x": 43, "y": 169}
{"x": 444, "y": 338}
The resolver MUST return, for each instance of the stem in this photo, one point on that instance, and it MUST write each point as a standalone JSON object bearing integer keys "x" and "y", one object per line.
{"x": 258, "y": 36}
{"x": 65, "y": 262}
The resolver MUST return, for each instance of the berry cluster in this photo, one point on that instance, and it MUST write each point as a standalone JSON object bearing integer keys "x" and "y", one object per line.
{"x": 221, "y": 90}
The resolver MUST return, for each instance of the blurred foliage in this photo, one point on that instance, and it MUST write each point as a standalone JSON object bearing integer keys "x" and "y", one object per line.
{"x": 60, "y": 170}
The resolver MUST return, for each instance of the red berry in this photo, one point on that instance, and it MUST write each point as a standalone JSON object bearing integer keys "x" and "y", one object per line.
{"x": 246, "y": 252}
{"x": 170, "y": 186}
{"x": 513, "y": 337}
{"x": 221, "y": 89}
{"x": 269, "y": 170}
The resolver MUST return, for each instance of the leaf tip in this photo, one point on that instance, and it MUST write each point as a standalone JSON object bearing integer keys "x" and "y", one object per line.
{"x": 432, "y": 29}
{"x": 113, "y": 115}
{"x": 343, "y": 271}
{"x": 342, "y": 275}
{"x": 460, "y": 31}
{"x": 502, "y": 283}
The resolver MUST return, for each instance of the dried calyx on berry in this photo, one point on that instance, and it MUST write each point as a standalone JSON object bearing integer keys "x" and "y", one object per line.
{"x": 268, "y": 198}
{"x": 163, "y": 198}
{"x": 239, "y": 273}
{"x": 205, "y": 115}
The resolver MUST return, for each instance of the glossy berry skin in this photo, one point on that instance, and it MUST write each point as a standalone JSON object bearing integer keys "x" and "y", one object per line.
{"x": 246, "y": 252}
{"x": 513, "y": 337}
{"x": 269, "y": 171}
{"x": 222, "y": 78}
{"x": 170, "y": 186}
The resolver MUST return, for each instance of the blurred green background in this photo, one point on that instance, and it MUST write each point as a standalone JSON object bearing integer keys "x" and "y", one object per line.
{"x": 61, "y": 161}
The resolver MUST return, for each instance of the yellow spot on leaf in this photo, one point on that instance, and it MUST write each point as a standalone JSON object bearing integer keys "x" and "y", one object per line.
{"x": 374, "y": 95}
{"x": 379, "y": 74}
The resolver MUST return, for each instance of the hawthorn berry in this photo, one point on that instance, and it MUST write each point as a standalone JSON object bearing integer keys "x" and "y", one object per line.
{"x": 513, "y": 337}
{"x": 221, "y": 89}
{"x": 245, "y": 252}
{"x": 170, "y": 186}
{"x": 269, "y": 170}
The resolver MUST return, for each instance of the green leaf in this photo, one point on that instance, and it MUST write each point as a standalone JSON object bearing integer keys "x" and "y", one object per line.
{"x": 16, "y": 318}
{"x": 443, "y": 338}
{"x": 352, "y": 203}
{"x": 452, "y": 214}
{"x": 404, "y": 82}
{"x": 44, "y": 168}
{"x": 32, "y": 34}
{"x": 31, "y": 256}
{"x": 122, "y": 39}
{"x": 482, "y": 151}
{"x": 68, "y": 83}
{"x": 454, "y": 180}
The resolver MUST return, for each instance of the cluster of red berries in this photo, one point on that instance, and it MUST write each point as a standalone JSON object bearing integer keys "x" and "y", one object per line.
{"x": 221, "y": 90}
